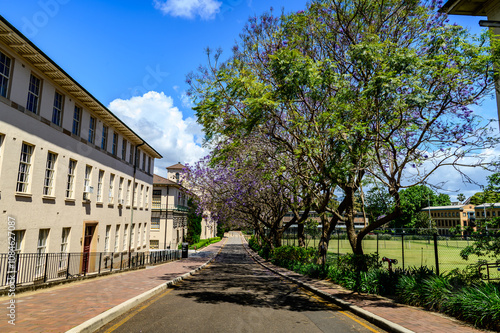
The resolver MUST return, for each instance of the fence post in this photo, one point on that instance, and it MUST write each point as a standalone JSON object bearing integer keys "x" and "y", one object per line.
{"x": 17, "y": 269}
{"x": 112, "y": 256}
{"x": 436, "y": 253}
{"x": 403, "y": 249}
{"x": 377, "y": 243}
{"x": 121, "y": 261}
{"x": 67, "y": 266}
{"x": 100, "y": 259}
{"x": 46, "y": 262}
{"x": 338, "y": 243}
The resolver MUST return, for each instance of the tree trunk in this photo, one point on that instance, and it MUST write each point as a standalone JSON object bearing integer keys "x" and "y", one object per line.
{"x": 301, "y": 235}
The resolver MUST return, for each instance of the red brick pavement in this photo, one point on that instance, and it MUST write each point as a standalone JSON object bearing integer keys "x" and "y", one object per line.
{"x": 61, "y": 308}
{"x": 412, "y": 318}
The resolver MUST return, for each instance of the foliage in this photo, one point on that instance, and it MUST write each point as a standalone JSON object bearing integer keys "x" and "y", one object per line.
{"x": 202, "y": 243}
{"x": 286, "y": 256}
{"x": 193, "y": 222}
{"x": 413, "y": 200}
{"x": 332, "y": 97}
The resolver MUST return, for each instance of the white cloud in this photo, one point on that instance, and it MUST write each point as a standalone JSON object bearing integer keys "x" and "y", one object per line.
{"x": 206, "y": 9}
{"x": 154, "y": 117}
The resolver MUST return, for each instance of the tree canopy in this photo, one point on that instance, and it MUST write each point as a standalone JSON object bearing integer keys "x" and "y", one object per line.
{"x": 346, "y": 90}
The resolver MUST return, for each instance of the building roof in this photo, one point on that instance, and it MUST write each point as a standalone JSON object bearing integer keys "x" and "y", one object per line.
{"x": 159, "y": 180}
{"x": 34, "y": 56}
{"x": 488, "y": 205}
{"x": 459, "y": 207}
{"x": 467, "y": 7}
{"x": 176, "y": 166}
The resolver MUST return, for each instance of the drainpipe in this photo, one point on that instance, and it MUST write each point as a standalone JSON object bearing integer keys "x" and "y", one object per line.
{"x": 133, "y": 198}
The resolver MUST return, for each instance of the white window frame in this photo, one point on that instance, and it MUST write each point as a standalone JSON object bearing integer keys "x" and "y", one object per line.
{"x": 155, "y": 223}
{"x": 6, "y": 64}
{"x": 92, "y": 128}
{"x": 129, "y": 183}
{"x": 34, "y": 92}
{"x": 147, "y": 197}
{"x": 125, "y": 234}
{"x": 132, "y": 235}
{"x": 57, "y": 110}
{"x": 114, "y": 144}
{"x": 43, "y": 235}
{"x": 100, "y": 179}
{"x": 18, "y": 238}
{"x": 106, "y": 238}
{"x": 120, "y": 189}
{"x": 50, "y": 168}
{"x": 141, "y": 196}
{"x": 154, "y": 244}
{"x": 117, "y": 238}
{"x": 77, "y": 120}
{"x": 111, "y": 192}
{"x": 88, "y": 176}
{"x": 104, "y": 138}
{"x": 23, "y": 176}
{"x": 71, "y": 179}
{"x": 64, "y": 248}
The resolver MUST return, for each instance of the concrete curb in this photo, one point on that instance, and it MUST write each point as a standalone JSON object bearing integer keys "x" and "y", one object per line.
{"x": 368, "y": 316}
{"x": 97, "y": 322}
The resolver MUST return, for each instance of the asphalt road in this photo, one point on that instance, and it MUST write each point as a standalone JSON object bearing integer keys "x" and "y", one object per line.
{"x": 234, "y": 294}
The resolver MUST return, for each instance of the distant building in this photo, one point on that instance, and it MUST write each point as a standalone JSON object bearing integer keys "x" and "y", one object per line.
{"x": 447, "y": 217}
{"x": 486, "y": 211}
{"x": 73, "y": 176}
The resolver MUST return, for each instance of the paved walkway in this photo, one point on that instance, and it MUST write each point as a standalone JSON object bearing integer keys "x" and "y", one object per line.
{"x": 61, "y": 308}
{"x": 412, "y": 318}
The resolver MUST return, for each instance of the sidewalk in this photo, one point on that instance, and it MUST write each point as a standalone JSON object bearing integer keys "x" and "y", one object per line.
{"x": 61, "y": 308}
{"x": 376, "y": 309}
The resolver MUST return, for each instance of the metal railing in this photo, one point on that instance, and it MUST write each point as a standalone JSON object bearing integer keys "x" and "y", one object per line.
{"x": 28, "y": 268}
{"x": 156, "y": 206}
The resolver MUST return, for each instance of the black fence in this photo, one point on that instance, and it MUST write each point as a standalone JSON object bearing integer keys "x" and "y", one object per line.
{"x": 440, "y": 253}
{"x": 34, "y": 268}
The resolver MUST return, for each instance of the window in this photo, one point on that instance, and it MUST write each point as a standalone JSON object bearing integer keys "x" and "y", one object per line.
{"x": 114, "y": 146}
{"x": 33, "y": 94}
{"x": 24, "y": 168}
{"x": 92, "y": 130}
{"x": 43, "y": 235}
{"x": 141, "y": 195}
{"x": 71, "y": 179}
{"x": 77, "y": 119}
{"x": 117, "y": 237}
{"x": 144, "y": 161}
{"x": 86, "y": 181}
{"x": 64, "y": 248}
{"x": 128, "y": 192}
{"x": 125, "y": 237}
{"x": 132, "y": 235}
{"x": 18, "y": 238}
{"x": 124, "y": 149}
{"x": 155, "y": 223}
{"x": 144, "y": 234}
{"x": 4, "y": 74}
{"x": 139, "y": 235}
{"x": 106, "y": 238}
{"x": 104, "y": 139}
{"x": 99, "y": 186}
{"x": 131, "y": 155}
{"x": 135, "y": 194}
{"x": 154, "y": 244}
{"x": 111, "y": 190}
{"x": 156, "y": 199}
{"x": 120, "y": 189}
{"x": 177, "y": 176}
{"x": 48, "y": 183}
{"x": 147, "y": 197}
{"x": 149, "y": 164}
{"x": 57, "y": 109}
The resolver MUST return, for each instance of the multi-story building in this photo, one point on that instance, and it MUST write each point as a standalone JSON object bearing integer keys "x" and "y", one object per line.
{"x": 486, "y": 211}
{"x": 169, "y": 210}
{"x": 447, "y": 217}
{"x": 73, "y": 177}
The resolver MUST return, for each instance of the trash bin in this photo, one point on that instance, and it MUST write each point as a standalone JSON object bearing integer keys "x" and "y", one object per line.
{"x": 185, "y": 250}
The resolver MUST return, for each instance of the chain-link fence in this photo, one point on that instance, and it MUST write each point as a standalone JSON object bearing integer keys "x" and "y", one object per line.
{"x": 439, "y": 253}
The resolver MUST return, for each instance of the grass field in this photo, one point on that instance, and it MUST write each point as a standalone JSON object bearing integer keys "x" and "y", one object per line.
{"x": 416, "y": 252}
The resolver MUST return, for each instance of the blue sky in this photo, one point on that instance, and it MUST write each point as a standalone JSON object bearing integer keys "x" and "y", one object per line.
{"x": 134, "y": 55}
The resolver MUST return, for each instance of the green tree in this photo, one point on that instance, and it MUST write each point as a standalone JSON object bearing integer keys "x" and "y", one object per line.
{"x": 193, "y": 222}
{"x": 461, "y": 197}
{"x": 415, "y": 198}
{"x": 347, "y": 89}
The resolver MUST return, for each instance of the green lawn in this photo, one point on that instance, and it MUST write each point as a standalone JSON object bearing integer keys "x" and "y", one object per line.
{"x": 416, "y": 252}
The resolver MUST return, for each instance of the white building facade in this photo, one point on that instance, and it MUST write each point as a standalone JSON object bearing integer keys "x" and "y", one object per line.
{"x": 73, "y": 177}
